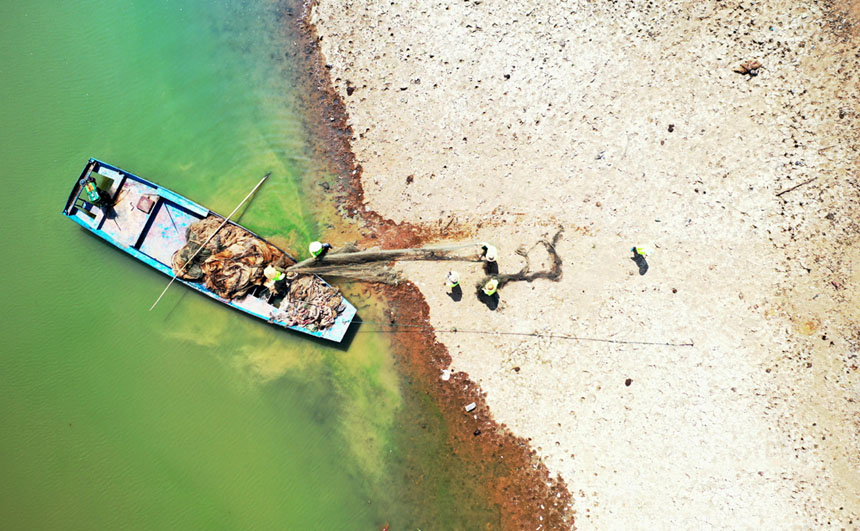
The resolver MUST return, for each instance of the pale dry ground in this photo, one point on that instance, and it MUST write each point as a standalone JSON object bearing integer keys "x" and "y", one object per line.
{"x": 625, "y": 125}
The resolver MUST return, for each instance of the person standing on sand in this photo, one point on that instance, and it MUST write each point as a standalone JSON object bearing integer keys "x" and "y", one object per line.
{"x": 452, "y": 280}
{"x": 490, "y": 253}
{"x": 452, "y": 286}
{"x": 639, "y": 257}
{"x": 490, "y": 287}
{"x": 641, "y": 251}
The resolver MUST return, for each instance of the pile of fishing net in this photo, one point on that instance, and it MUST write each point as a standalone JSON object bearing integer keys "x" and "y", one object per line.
{"x": 231, "y": 263}
{"x": 310, "y": 303}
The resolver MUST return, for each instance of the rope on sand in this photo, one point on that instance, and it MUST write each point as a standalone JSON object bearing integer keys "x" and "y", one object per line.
{"x": 421, "y": 328}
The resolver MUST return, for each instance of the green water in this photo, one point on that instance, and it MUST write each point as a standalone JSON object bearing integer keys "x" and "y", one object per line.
{"x": 190, "y": 416}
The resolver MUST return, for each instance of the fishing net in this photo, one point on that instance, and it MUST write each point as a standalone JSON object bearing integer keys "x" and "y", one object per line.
{"x": 310, "y": 303}
{"x": 525, "y": 274}
{"x": 232, "y": 263}
{"x": 377, "y": 265}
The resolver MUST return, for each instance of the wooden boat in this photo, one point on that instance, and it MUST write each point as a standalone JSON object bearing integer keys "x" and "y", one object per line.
{"x": 150, "y": 222}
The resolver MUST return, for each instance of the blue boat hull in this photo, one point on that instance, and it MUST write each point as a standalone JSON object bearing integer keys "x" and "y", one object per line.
{"x": 153, "y": 236}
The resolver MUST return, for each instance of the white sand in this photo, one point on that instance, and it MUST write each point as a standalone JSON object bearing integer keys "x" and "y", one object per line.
{"x": 756, "y": 426}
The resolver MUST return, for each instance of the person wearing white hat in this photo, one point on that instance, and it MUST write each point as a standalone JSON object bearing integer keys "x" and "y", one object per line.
{"x": 272, "y": 275}
{"x": 318, "y": 250}
{"x": 452, "y": 280}
{"x": 490, "y": 287}
{"x": 490, "y": 252}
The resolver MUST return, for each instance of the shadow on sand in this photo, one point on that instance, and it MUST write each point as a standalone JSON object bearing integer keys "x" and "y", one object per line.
{"x": 490, "y": 301}
{"x": 640, "y": 262}
{"x": 456, "y": 293}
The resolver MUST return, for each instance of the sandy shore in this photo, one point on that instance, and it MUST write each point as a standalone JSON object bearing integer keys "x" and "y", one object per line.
{"x": 627, "y": 126}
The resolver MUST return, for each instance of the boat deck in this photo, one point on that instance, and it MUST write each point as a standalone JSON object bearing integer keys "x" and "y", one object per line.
{"x": 166, "y": 232}
{"x": 126, "y": 222}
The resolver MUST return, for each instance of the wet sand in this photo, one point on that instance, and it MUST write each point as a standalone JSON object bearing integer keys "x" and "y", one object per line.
{"x": 627, "y": 126}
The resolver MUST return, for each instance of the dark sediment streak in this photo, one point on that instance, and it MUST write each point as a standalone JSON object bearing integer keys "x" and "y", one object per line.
{"x": 492, "y": 472}
{"x": 502, "y": 468}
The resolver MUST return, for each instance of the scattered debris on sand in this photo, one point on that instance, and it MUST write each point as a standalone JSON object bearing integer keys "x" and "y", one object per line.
{"x": 749, "y": 67}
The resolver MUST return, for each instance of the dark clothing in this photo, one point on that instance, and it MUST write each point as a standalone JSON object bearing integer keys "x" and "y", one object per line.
{"x": 323, "y": 251}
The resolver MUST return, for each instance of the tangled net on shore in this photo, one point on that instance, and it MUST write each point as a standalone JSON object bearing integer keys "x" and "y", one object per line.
{"x": 526, "y": 274}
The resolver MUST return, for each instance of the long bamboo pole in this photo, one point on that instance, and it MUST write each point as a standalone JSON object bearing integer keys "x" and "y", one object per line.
{"x": 209, "y": 239}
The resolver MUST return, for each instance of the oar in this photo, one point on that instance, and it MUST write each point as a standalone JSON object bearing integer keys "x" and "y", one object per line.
{"x": 209, "y": 239}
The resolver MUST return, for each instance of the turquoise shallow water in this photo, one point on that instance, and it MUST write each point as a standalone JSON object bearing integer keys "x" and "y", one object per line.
{"x": 192, "y": 415}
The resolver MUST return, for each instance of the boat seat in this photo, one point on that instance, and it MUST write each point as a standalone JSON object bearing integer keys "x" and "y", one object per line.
{"x": 85, "y": 207}
{"x": 103, "y": 185}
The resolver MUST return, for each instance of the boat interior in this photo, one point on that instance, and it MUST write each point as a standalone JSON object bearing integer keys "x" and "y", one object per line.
{"x": 133, "y": 213}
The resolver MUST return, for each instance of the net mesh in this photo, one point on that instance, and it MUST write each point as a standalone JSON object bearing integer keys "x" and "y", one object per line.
{"x": 231, "y": 263}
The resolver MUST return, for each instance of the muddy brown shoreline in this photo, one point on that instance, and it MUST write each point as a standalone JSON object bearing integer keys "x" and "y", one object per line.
{"x": 501, "y": 468}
